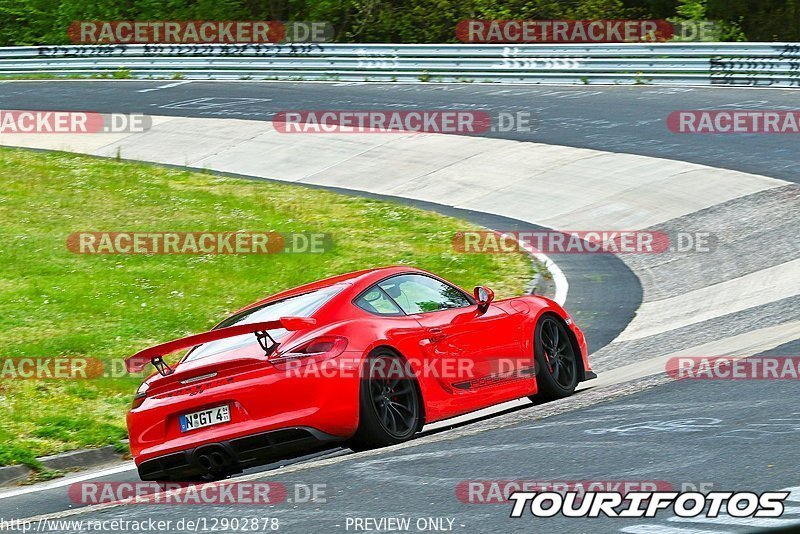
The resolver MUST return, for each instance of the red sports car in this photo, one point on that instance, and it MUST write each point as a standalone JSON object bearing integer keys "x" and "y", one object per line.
{"x": 364, "y": 359}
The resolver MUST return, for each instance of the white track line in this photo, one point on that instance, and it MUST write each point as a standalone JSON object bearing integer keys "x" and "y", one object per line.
{"x": 562, "y": 286}
{"x": 738, "y": 346}
{"x": 128, "y": 466}
{"x": 167, "y": 86}
{"x": 737, "y": 294}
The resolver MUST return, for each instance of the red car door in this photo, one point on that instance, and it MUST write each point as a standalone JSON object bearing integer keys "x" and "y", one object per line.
{"x": 480, "y": 346}
{"x": 470, "y": 353}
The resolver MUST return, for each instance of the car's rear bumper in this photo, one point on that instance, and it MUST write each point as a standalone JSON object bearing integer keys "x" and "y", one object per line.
{"x": 261, "y": 401}
{"x": 234, "y": 455}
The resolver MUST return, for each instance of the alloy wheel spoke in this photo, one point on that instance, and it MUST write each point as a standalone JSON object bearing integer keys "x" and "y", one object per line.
{"x": 394, "y": 419}
{"x": 397, "y": 406}
{"x": 399, "y": 416}
{"x": 546, "y": 341}
{"x": 568, "y": 374}
{"x": 385, "y": 415}
{"x": 556, "y": 370}
{"x": 554, "y": 329}
{"x": 405, "y": 389}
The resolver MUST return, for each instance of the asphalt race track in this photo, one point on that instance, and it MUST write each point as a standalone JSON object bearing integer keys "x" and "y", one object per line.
{"x": 619, "y": 119}
{"x": 725, "y": 435}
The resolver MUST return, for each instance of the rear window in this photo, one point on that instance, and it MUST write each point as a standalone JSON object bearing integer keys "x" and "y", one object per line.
{"x": 297, "y": 306}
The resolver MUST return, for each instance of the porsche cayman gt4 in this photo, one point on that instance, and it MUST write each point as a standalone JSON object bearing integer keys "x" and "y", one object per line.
{"x": 364, "y": 359}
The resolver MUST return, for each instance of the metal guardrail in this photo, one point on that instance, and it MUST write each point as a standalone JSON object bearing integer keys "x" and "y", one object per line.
{"x": 735, "y": 64}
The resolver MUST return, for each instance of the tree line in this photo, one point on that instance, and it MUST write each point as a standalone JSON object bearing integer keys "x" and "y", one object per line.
{"x": 38, "y": 22}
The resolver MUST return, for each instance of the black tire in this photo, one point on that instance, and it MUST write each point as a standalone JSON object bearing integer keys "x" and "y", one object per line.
{"x": 556, "y": 362}
{"x": 389, "y": 403}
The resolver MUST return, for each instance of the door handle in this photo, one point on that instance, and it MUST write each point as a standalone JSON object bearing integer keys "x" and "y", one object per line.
{"x": 436, "y": 334}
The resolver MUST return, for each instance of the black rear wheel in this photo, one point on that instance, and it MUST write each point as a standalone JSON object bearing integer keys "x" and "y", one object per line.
{"x": 556, "y": 363}
{"x": 389, "y": 403}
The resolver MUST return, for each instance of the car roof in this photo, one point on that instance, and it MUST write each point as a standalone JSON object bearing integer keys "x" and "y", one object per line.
{"x": 358, "y": 279}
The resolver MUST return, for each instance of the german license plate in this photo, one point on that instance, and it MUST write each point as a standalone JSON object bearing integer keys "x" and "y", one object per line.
{"x": 212, "y": 416}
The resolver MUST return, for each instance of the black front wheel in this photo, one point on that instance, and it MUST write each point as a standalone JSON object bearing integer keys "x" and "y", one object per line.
{"x": 556, "y": 362}
{"x": 389, "y": 403}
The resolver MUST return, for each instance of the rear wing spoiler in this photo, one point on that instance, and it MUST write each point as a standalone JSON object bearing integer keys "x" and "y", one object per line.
{"x": 154, "y": 355}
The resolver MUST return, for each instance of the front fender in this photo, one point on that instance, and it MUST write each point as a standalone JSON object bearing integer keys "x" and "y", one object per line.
{"x": 538, "y": 306}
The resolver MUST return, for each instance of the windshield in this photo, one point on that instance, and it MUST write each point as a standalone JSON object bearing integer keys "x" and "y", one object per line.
{"x": 298, "y": 306}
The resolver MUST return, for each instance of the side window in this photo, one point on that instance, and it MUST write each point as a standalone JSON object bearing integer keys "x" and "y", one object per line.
{"x": 419, "y": 294}
{"x": 376, "y": 301}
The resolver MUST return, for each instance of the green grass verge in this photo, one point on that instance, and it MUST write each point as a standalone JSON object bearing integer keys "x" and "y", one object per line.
{"x": 56, "y": 303}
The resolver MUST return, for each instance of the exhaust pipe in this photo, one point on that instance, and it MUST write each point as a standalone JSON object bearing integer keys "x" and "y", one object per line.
{"x": 214, "y": 459}
{"x": 218, "y": 460}
{"x": 204, "y": 461}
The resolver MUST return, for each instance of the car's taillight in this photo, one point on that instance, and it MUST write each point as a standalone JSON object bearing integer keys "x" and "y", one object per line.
{"x": 319, "y": 349}
{"x": 141, "y": 394}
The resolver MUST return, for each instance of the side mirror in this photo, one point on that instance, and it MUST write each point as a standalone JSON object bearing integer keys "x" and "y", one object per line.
{"x": 484, "y": 296}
